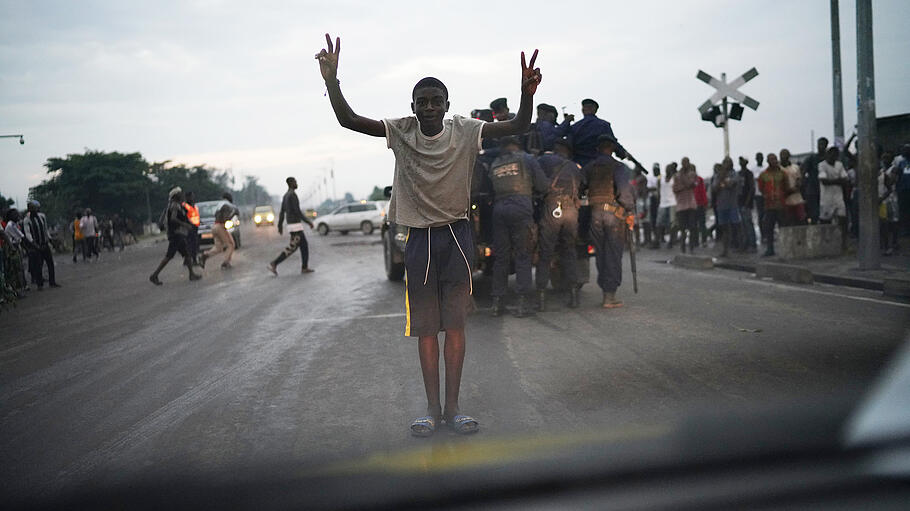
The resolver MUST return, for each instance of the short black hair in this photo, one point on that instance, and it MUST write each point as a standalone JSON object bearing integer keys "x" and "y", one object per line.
{"x": 499, "y": 104}
{"x": 228, "y": 196}
{"x": 288, "y": 180}
{"x": 429, "y": 81}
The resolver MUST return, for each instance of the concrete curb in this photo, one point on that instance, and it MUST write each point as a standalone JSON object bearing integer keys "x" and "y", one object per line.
{"x": 693, "y": 262}
{"x": 784, "y": 273}
{"x": 899, "y": 288}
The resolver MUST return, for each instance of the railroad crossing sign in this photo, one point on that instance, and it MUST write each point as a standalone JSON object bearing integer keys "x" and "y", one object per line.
{"x": 720, "y": 116}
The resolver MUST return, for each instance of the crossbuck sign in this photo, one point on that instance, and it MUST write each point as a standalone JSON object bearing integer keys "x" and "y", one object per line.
{"x": 727, "y": 90}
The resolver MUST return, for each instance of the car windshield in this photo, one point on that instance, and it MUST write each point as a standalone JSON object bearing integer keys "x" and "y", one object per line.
{"x": 208, "y": 209}
{"x": 431, "y": 279}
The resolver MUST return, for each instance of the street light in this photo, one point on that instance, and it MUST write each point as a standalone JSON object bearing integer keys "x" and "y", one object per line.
{"x": 20, "y": 137}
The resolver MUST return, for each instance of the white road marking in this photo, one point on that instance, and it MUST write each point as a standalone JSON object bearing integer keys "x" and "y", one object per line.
{"x": 812, "y": 290}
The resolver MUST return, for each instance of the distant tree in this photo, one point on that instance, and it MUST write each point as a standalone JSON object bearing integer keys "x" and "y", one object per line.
{"x": 252, "y": 193}
{"x": 5, "y": 203}
{"x": 106, "y": 182}
{"x": 377, "y": 194}
{"x": 348, "y": 197}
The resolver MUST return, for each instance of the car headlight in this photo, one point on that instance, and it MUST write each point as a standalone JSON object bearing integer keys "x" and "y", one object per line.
{"x": 270, "y": 218}
{"x": 257, "y": 219}
{"x": 229, "y": 224}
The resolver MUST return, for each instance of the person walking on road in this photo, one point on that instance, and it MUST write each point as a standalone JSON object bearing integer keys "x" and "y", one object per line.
{"x": 78, "y": 238}
{"x": 224, "y": 242}
{"x": 612, "y": 204}
{"x": 88, "y": 224}
{"x": 290, "y": 211}
{"x": 515, "y": 176}
{"x": 192, "y": 237}
{"x": 178, "y": 227}
{"x": 39, "y": 246}
{"x": 431, "y": 195}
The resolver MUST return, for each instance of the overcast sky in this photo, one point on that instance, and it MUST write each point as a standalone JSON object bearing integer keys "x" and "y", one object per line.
{"x": 234, "y": 84}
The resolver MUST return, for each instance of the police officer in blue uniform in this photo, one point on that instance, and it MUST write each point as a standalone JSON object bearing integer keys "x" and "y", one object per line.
{"x": 584, "y": 134}
{"x": 544, "y": 132}
{"x": 612, "y": 213}
{"x": 558, "y": 225}
{"x": 515, "y": 176}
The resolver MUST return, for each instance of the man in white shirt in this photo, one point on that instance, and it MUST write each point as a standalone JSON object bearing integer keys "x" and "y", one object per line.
{"x": 833, "y": 177}
{"x": 666, "y": 214}
{"x": 89, "y": 226}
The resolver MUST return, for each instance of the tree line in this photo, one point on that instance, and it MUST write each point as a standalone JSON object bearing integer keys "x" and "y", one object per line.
{"x": 126, "y": 184}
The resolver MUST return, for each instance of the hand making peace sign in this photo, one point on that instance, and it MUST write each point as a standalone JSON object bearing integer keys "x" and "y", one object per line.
{"x": 328, "y": 60}
{"x": 530, "y": 76}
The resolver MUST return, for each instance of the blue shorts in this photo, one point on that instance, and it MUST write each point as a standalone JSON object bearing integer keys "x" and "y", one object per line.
{"x": 728, "y": 216}
{"x": 438, "y": 265}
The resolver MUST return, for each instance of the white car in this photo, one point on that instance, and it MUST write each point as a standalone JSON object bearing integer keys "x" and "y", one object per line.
{"x": 361, "y": 216}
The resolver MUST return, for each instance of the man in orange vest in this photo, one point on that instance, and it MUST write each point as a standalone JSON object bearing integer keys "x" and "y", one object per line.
{"x": 192, "y": 214}
{"x": 78, "y": 238}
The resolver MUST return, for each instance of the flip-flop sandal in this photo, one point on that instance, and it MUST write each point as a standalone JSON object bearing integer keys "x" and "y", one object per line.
{"x": 423, "y": 426}
{"x": 464, "y": 424}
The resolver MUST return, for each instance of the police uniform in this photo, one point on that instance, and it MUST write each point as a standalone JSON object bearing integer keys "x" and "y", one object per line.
{"x": 558, "y": 223}
{"x": 515, "y": 176}
{"x": 611, "y": 199}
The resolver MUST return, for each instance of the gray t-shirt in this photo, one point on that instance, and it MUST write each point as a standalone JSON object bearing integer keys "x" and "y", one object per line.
{"x": 432, "y": 183}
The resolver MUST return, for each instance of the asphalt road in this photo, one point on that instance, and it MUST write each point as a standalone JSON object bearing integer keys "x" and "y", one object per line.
{"x": 110, "y": 376}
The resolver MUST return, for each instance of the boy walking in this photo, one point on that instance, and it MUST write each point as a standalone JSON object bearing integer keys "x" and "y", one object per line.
{"x": 434, "y": 162}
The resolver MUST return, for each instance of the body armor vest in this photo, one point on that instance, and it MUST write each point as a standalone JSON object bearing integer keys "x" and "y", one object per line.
{"x": 509, "y": 176}
{"x": 601, "y": 181}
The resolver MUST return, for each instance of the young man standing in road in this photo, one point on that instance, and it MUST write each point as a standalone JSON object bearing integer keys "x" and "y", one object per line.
{"x": 178, "y": 227}
{"x": 434, "y": 162}
{"x": 290, "y": 211}
{"x": 774, "y": 186}
{"x": 89, "y": 227}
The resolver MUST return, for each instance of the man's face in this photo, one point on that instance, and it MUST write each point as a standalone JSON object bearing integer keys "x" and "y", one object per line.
{"x": 772, "y": 160}
{"x": 293, "y": 184}
{"x": 831, "y": 157}
{"x": 685, "y": 163}
{"x": 743, "y": 163}
{"x": 501, "y": 115}
{"x": 430, "y": 105}
{"x": 759, "y": 158}
{"x": 785, "y": 157}
{"x": 546, "y": 115}
{"x": 588, "y": 109}
{"x": 822, "y": 145}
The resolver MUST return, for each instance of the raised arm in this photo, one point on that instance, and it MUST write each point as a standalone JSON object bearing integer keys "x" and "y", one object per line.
{"x": 530, "y": 78}
{"x": 328, "y": 66}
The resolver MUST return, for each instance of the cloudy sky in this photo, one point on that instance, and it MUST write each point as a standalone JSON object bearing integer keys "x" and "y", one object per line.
{"x": 234, "y": 84}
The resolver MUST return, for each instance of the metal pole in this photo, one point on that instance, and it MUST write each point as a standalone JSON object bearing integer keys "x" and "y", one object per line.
{"x": 836, "y": 76}
{"x": 867, "y": 159}
{"x": 723, "y": 78}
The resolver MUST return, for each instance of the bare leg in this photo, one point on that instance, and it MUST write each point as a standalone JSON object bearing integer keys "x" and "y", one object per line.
{"x": 428, "y": 347}
{"x": 454, "y": 359}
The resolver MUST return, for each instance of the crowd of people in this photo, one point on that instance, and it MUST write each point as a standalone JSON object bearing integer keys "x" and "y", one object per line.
{"x": 772, "y": 192}
{"x": 26, "y": 244}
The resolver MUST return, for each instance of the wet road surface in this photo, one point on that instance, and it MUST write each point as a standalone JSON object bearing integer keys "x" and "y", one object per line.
{"x": 111, "y": 376}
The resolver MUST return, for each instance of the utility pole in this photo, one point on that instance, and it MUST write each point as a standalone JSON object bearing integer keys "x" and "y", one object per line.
{"x": 867, "y": 159}
{"x": 836, "y": 76}
{"x": 723, "y": 78}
